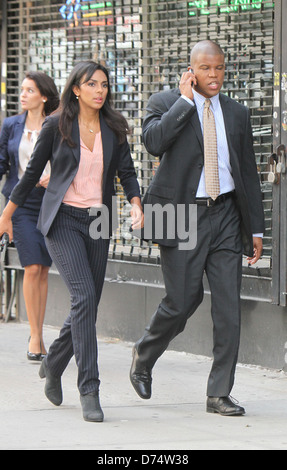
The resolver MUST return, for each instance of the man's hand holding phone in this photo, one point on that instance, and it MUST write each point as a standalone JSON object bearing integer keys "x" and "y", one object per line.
{"x": 187, "y": 81}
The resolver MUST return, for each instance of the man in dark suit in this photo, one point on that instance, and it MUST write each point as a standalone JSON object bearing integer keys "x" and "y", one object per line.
{"x": 183, "y": 127}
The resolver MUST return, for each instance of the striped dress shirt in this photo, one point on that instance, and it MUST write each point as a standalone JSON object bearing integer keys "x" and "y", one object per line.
{"x": 224, "y": 167}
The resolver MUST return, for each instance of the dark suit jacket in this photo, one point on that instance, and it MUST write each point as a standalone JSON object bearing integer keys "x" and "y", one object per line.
{"x": 10, "y": 138}
{"x": 64, "y": 166}
{"x": 172, "y": 131}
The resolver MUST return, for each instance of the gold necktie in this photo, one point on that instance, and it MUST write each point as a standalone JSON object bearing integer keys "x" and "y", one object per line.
{"x": 210, "y": 152}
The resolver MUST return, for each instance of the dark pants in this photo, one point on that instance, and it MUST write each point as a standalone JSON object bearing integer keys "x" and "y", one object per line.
{"x": 81, "y": 262}
{"x": 219, "y": 254}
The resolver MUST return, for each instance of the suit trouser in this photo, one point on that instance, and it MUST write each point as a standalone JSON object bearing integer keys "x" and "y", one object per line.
{"x": 219, "y": 254}
{"x": 81, "y": 261}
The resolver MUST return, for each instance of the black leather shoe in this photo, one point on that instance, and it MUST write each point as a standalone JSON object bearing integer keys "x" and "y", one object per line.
{"x": 140, "y": 377}
{"x": 224, "y": 406}
{"x": 36, "y": 357}
{"x": 53, "y": 386}
{"x": 91, "y": 407}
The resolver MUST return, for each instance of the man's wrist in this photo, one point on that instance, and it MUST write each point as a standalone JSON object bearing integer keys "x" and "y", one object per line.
{"x": 188, "y": 100}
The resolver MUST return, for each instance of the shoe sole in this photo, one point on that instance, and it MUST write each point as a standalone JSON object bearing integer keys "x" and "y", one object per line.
{"x": 95, "y": 420}
{"x": 212, "y": 411}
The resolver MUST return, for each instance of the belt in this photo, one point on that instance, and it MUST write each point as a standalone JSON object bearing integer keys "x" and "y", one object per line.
{"x": 92, "y": 211}
{"x": 209, "y": 202}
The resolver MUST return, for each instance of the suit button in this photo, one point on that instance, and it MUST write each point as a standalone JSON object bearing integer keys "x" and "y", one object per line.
{"x": 181, "y": 117}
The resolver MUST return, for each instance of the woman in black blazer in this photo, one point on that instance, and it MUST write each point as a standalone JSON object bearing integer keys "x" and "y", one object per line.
{"x": 86, "y": 144}
{"x": 39, "y": 98}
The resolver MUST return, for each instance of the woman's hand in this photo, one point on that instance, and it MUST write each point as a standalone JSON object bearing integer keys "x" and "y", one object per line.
{"x": 6, "y": 220}
{"x": 6, "y": 227}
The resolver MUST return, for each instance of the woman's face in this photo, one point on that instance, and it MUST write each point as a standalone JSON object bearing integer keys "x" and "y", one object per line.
{"x": 93, "y": 93}
{"x": 30, "y": 96}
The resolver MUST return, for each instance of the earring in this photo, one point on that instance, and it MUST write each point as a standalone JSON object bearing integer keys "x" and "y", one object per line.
{"x": 44, "y": 101}
{"x": 77, "y": 97}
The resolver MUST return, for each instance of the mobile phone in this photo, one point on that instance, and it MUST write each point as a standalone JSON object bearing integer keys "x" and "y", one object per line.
{"x": 191, "y": 71}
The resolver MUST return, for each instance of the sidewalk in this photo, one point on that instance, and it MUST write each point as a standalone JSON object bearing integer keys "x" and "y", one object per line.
{"x": 174, "y": 419}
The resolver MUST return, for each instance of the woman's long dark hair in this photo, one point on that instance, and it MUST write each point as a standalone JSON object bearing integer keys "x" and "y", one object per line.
{"x": 47, "y": 88}
{"x": 69, "y": 105}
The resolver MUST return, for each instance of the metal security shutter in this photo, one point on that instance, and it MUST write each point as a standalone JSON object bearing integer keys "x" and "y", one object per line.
{"x": 245, "y": 30}
{"x": 146, "y": 45}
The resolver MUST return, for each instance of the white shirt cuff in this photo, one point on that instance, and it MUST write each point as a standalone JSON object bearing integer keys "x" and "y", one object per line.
{"x": 188, "y": 100}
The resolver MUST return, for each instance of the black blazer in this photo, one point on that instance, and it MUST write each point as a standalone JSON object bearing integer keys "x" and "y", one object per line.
{"x": 64, "y": 166}
{"x": 172, "y": 131}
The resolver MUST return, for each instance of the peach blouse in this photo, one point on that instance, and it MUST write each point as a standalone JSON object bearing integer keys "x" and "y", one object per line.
{"x": 86, "y": 189}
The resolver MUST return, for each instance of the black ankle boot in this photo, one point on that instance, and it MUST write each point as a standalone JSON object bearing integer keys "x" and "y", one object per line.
{"x": 53, "y": 386}
{"x": 91, "y": 407}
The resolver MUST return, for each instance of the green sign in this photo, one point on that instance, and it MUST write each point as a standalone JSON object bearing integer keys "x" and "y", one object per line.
{"x": 225, "y": 6}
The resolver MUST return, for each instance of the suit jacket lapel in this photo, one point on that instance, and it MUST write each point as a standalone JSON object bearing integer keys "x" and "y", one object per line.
{"x": 107, "y": 141}
{"x": 228, "y": 117}
{"x": 18, "y": 133}
{"x": 195, "y": 122}
{"x": 228, "y": 120}
{"x": 21, "y": 122}
{"x": 76, "y": 137}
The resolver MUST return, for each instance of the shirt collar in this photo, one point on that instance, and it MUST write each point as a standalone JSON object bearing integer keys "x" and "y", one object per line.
{"x": 200, "y": 100}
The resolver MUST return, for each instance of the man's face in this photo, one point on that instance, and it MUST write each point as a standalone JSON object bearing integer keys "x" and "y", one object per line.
{"x": 209, "y": 71}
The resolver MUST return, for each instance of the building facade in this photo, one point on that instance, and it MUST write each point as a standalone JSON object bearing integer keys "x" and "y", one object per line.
{"x": 146, "y": 46}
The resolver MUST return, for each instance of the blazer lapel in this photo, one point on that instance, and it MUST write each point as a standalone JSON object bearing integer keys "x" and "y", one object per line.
{"x": 21, "y": 121}
{"x": 228, "y": 120}
{"x": 107, "y": 141}
{"x": 194, "y": 121}
{"x": 197, "y": 127}
{"x": 76, "y": 135}
{"x": 228, "y": 117}
{"x": 18, "y": 133}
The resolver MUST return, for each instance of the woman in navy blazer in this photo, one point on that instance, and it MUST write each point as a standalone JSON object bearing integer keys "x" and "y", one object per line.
{"x": 69, "y": 141}
{"x": 39, "y": 97}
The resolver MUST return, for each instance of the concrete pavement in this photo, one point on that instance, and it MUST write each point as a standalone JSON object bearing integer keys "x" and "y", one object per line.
{"x": 174, "y": 419}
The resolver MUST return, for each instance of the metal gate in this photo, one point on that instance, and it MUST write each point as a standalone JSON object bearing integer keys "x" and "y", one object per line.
{"x": 277, "y": 160}
{"x": 146, "y": 45}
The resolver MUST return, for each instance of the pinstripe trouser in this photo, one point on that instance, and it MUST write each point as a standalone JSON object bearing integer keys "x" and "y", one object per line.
{"x": 81, "y": 261}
